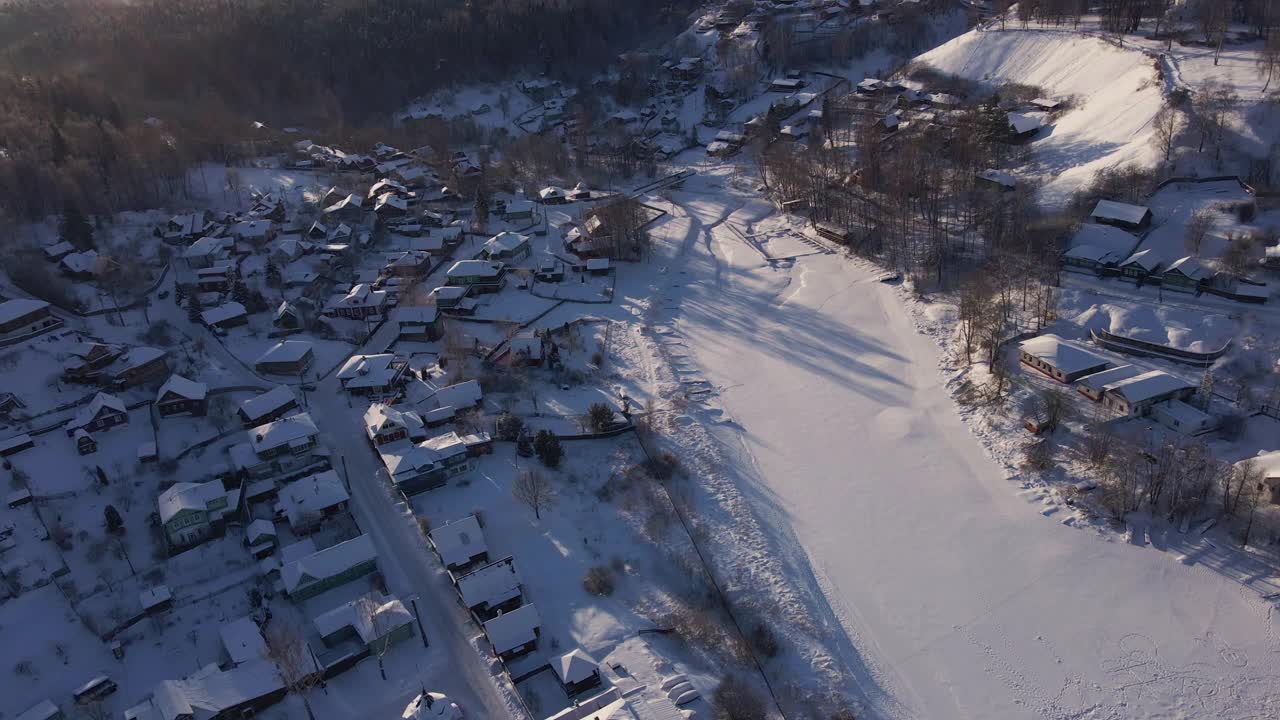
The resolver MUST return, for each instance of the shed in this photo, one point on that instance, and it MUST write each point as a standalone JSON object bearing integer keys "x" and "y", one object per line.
{"x": 1110, "y": 212}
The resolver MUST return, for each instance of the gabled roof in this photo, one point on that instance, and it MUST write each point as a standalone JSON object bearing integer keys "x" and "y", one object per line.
{"x": 475, "y": 268}
{"x": 1146, "y": 259}
{"x": 1062, "y": 354}
{"x": 286, "y": 351}
{"x": 243, "y": 641}
{"x": 1148, "y": 385}
{"x": 1021, "y": 124}
{"x": 222, "y": 313}
{"x": 1123, "y": 212}
{"x": 370, "y": 616}
{"x": 312, "y": 495}
{"x": 1189, "y": 267}
{"x": 381, "y": 417}
{"x": 101, "y": 401}
{"x": 492, "y": 584}
{"x": 510, "y": 630}
{"x": 461, "y": 395}
{"x": 282, "y": 432}
{"x": 328, "y": 563}
{"x": 505, "y": 242}
{"x": 415, "y": 314}
{"x": 369, "y": 370}
{"x": 188, "y": 496}
{"x": 1099, "y": 380}
{"x": 183, "y": 388}
{"x": 267, "y": 402}
{"x": 11, "y": 310}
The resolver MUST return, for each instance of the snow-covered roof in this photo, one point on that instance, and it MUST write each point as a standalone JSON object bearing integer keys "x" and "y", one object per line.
{"x": 459, "y": 541}
{"x": 151, "y": 597}
{"x": 449, "y": 292}
{"x": 1092, "y": 253}
{"x": 211, "y": 691}
{"x": 1148, "y": 385}
{"x": 251, "y": 228}
{"x": 223, "y": 313}
{"x": 96, "y": 405}
{"x": 1099, "y": 380}
{"x": 1187, "y": 416}
{"x": 510, "y": 630}
{"x": 260, "y": 529}
{"x": 1147, "y": 259}
{"x": 362, "y": 295}
{"x": 550, "y": 192}
{"x": 370, "y": 371}
{"x": 404, "y": 459}
{"x": 505, "y": 242}
{"x": 1189, "y": 267}
{"x": 475, "y": 268}
{"x": 492, "y": 584}
{"x": 1123, "y": 212}
{"x": 267, "y": 402}
{"x": 282, "y": 432}
{"x": 328, "y": 562}
{"x": 999, "y": 177}
{"x": 243, "y": 641}
{"x": 461, "y": 395}
{"x": 1268, "y": 463}
{"x": 182, "y": 387}
{"x": 574, "y": 666}
{"x": 189, "y": 496}
{"x": 11, "y": 310}
{"x": 1061, "y": 354}
{"x": 381, "y": 417}
{"x": 598, "y": 264}
{"x": 415, "y": 315}
{"x": 43, "y": 710}
{"x": 371, "y": 618}
{"x": 207, "y": 246}
{"x": 311, "y": 496}
{"x": 287, "y": 351}
{"x": 1023, "y": 123}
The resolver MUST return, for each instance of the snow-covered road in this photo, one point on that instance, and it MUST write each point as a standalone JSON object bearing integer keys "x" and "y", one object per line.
{"x": 452, "y": 665}
{"x": 958, "y": 597}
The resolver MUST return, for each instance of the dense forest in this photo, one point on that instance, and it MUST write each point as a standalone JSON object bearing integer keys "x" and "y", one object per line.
{"x": 79, "y": 78}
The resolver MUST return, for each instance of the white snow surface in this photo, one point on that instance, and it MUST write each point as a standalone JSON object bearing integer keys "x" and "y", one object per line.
{"x": 1114, "y": 93}
{"x": 937, "y": 588}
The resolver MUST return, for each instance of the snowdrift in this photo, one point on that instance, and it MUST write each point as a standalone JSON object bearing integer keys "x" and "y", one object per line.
{"x": 1161, "y": 324}
{"x": 1115, "y": 93}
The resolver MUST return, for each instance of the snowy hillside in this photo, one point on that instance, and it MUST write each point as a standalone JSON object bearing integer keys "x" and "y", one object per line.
{"x": 1114, "y": 94}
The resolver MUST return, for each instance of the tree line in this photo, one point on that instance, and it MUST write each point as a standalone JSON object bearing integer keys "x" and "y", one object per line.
{"x": 104, "y": 105}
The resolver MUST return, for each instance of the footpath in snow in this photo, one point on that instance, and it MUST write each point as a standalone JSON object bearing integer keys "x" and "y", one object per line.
{"x": 958, "y": 599}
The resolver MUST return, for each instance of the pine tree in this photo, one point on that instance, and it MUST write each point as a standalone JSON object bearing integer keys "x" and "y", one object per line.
{"x": 194, "y": 308}
{"x": 57, "y": 145}
{"x": 76, "y": 229}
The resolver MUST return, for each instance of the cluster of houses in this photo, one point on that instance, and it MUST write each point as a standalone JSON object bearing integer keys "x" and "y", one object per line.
{"x": 1105, "y": 247}
{"x": 1125, "y": 390}
{"x": 415, "y": 460}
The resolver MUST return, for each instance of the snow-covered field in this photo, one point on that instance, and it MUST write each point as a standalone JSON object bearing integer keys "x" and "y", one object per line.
{"x": 1114, "y": 94}
{"x": 955, "y": 596}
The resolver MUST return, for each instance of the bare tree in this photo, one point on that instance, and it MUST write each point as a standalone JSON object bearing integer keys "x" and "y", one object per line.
{"x": 534, "y": 490}
{"x": 1269, "y": 57}
{"x": 381, "y": 625}
{"x": 1234, "y": 481}
{"x": 1166, "y": 125}
{"x": 287, "y": 648}
{"x": 1196, "y": 230}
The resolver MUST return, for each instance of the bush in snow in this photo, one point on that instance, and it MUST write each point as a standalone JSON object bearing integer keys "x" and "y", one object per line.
{"x": 598, "y": 581}
{"x": 547, "y": 446}
{"x": 735, "y": 699}
{"x": 599, "y": 417}
{"x": 508, "y": 426}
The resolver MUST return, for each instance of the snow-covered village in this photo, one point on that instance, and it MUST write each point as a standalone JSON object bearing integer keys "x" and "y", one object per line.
{"x": 741, "y": 360}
